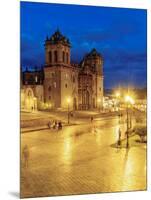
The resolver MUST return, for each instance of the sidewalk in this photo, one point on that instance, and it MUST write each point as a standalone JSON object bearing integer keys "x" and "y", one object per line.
{"x": 40, "y": 128}
{"x": 39, "y": 118}
{"x": 134, "y": 141}
{"x": 32, "y": 129}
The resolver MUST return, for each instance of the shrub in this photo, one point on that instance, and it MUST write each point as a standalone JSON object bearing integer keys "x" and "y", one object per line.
{"x": 141, "y": 131}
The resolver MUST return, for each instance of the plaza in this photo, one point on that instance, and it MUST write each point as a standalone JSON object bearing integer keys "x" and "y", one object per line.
{"x": 83, "y": 100}
{"x": 82, "y": 158}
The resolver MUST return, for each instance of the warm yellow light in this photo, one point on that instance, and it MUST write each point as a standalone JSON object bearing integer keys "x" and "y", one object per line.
{"x": 68, "y": 100}
{"x": 99, "y": 100}
{"x": 117, "y": 94}
{"x": 132, "y": 101}
{"x": 129, "y": 99}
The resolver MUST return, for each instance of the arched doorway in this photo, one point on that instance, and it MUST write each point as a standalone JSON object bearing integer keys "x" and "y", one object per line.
{"x": 94, "y": 103}
{"x": 87, "y": 100}
{"x": 30, "y": 100}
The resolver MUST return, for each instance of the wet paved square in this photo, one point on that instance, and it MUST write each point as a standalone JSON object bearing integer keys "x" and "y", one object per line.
{"x": 81, "y": 159}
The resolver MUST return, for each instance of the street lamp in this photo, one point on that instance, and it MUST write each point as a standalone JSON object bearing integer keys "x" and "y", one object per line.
{"x": 118, "y": 95}
{"x": 131, "y": 104}
{"x": 99, "y": 106}
{"x": 34, "y": 107}
{"x": 129, "y": 101}
{"x": 68, "y": 101}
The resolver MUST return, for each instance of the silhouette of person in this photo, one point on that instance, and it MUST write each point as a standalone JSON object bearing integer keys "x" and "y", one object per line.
{"x": 26, "y": 156}
{"x": 119, "y": 137}
{"x": 49, "y": 124}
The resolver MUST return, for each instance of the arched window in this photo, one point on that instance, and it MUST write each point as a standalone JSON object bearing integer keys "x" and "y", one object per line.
{"x": 36, "y": 79}
{"x": 29, "y": 93}
{"x": 49, "y": 88}
{"x": 63, "y": 56}
{"x": 50, "y": 56}
{"x": 55, "y": 56}
{"x": 52, "y": 75}
{"x": 55, "y": 85}
{"x": 67, "y": 58}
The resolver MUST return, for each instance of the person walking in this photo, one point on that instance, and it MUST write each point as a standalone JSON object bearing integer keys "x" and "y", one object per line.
{"x": 49, "y": 125}
{"x": 59, "y": 125}
{"x": 119, "y": 138}
{"x": 56, "y": 124}
{"x": 26, "y": 156}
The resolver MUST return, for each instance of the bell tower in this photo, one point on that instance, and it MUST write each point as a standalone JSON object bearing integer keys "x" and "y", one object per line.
{"x": 57, "y": 50}
{"x": 96, "y": 61}
{"x": 93, "y": 65}
{"x": 58, "y": 72}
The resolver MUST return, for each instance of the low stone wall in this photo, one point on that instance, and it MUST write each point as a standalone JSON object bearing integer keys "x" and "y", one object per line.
{"x": 34, "y": 122}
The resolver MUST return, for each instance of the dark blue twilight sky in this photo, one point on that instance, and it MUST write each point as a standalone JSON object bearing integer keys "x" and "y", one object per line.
{"x": 118, "y": 34}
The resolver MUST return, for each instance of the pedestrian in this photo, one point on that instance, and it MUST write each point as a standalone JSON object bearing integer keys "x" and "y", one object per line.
{"x": 119, "y": 138}
{"x": 95, "y": 129}
{"x": 26, "y": 156}
{"x": 49, "y": 125}
{"x": 56, "y": 124}
{"x": 91, "y": 119}
{"x": 59, "y": 125}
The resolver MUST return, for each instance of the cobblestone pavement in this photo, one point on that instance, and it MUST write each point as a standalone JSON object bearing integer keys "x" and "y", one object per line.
{"x": 81, "y": 159}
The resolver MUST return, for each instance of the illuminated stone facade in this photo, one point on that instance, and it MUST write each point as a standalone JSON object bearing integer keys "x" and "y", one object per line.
{"x": 62, "y": 84}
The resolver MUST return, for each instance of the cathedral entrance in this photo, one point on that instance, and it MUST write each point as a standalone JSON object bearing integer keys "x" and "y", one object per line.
{"x": 93, "y": 102}
{"x": 75, "y": 104}
{"x": 85, "y": 100}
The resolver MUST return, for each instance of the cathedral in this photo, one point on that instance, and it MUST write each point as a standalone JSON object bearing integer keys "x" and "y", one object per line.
{"x": 60, "y": 83}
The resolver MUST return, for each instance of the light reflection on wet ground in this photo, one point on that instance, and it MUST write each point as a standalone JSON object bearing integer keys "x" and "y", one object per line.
{"x": 80, "y": 159}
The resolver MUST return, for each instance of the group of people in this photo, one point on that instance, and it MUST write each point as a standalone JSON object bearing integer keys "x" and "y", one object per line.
{"x": 55, "y": 125}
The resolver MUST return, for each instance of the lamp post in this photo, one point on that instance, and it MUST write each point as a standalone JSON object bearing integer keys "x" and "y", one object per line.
{"x": 127, "y": 131}
{"x": 129, "y": 101}
{"x": 117, "y": 95}
{"x": 131, "y": 113}
{"x": 118, "y": 104}
{"x": 68, "y": 101}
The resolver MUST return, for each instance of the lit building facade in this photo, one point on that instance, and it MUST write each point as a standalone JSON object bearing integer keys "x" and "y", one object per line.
{"x": 59, "y": 80}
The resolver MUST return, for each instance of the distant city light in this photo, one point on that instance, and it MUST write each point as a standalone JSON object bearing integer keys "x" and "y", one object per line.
{"x": 129, "y": 99}
{"x": 117, "y": 94}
